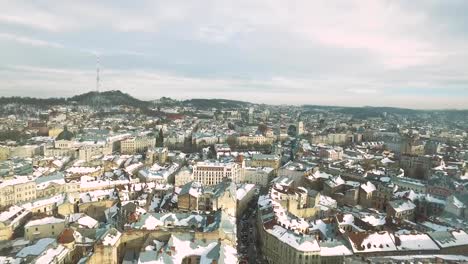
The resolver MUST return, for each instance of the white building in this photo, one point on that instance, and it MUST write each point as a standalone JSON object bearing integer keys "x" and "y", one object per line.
{"x": 211, "y": 173}
{"x": 258, "y": 176}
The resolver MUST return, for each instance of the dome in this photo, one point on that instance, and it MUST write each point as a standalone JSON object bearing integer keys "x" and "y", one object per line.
{"x": 66, "y": 236}
{"x": 65, "y": 135}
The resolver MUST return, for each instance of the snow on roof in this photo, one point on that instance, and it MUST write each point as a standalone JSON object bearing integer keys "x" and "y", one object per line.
{"x": 35, "y": 249}
{"x": 87, "y": 182}
{"x": 243, "y": 189}
{"x": 457, "y": 203}
{"x": 13, "y": 213}
{"x": 87, "y": 221}
{"x": 319, "y": 174}
{"x": 334, "y": 249}
{"x": 45, "y": 221}
{"x": 133, "y": 167}
{"x": 111, "y": 237}
{"x": 9, "y": 260}
{"x": 181, "y": 246}
{"x": 15, "y": 181}
{"x": 450, "y": 238}
{"x": 153, "y": 220}
{"x": 371, "y": 242}
{"x": 368, "y": 187}
{"x": 374, "y": 220}
{"x": 401, "y": 205}
{"x": 327, "y": 201}
{"x": 159, "y": 172}
{"x": 54, "y": 200}
{"x": 436, "y": 227}
{"x": 387, "y": 160}
{"x": 44, "y": 181}
{"x": 83, "y": 170}
{"x": 302, "y": 243}
{"x": 423, "y": 258}
{"x": 52, "y": 254}
{"x": 96, "y": 195}
{"x": 414, "y": 242}
{"x": 335, "y": 181}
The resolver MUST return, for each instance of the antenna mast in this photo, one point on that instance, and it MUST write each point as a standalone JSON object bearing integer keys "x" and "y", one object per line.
{"x": 97, "y": 75}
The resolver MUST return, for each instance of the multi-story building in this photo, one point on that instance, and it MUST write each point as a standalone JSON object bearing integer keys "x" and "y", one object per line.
{"x": 88, "y": 152}
{"x": 106, "y": 250}
{"x": 4, "y": 152}
{"x": 331, "y": 153}
{"x": 11, "y": 219}
{"x": 137, "y": 144}
{"x": 300, "y": 128}
{"x": 401, "y": 209}
{"x": 17, "y": 190}
{"x": 264, "y": 160}
{"x": 254, "y": 140}
{"x": 211, "y": 173}
{"x": 183, "y": 176}
{"x": 417, "y": 166}
{"x": 259, "y": 176}
{"x": 45, "y": 227}
{"x": 156, "y": 155}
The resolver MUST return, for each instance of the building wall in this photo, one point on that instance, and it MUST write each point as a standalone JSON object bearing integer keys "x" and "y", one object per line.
{"x": 187, "y": 202}
{"x": 42, "y": 231}
{"x": 257, "y": 176}
{"x": 182, "y": 177}
{"x": 212, "y": 174}
{"x": 17, "y": 193}
{"x": 7, "y": 228}
{"x": 137, "y": 144}
{"x": 96, "y": 209}
{"x": 4, "y": 152}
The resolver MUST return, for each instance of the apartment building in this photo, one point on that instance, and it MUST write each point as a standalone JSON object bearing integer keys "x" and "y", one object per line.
{"x": 11, "y": 219}
{"x": 211, "y": 173}
{"x": 137, "y": 144}
{"x": 17, "y": 190}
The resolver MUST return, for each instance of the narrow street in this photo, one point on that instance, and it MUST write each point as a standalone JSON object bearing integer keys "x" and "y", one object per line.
{"x": 247, "y": 236}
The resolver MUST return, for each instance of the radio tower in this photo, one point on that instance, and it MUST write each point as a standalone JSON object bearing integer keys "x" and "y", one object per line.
{"x": 97, "y": 75}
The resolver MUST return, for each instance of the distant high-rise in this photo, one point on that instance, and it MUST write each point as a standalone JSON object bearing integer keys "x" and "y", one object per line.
{"x": 300, "y": 128}
{"x": 251, "y": 115}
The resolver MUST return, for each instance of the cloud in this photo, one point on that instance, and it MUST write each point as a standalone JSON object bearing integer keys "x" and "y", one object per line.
{"x": 29, "y": 41}
{"x": 150, "y": 85}
{"x": 342, "y": 52}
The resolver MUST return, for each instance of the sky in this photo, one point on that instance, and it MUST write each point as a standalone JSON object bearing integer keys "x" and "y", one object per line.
{"x": 352, "y": 52}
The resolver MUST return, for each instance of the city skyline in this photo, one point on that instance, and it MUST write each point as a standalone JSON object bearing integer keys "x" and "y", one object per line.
{"x": 358, "y": 53}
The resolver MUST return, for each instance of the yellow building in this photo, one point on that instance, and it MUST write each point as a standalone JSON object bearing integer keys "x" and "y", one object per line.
{"x": 11, "y": 219}
{"x": 45, "y": 227}
{"x": 17, "y": 190}
{"x": 54, "y": 131}
{"x": 4, "y": 152}
{"x": 107, "y": 249}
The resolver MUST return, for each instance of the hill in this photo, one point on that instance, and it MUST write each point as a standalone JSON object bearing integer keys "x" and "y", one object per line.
{"x": 107, "y": 98}
{"x": 215, "y": 103}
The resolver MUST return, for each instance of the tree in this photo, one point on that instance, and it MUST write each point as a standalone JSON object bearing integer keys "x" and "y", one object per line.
{"x": 262, "y": 128}
{"x": 231, "y": 141}
{"x": 160, "y": 139}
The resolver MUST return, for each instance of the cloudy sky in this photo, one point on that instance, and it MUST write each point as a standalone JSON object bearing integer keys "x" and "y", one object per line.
{"x": 351, "y": 52}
